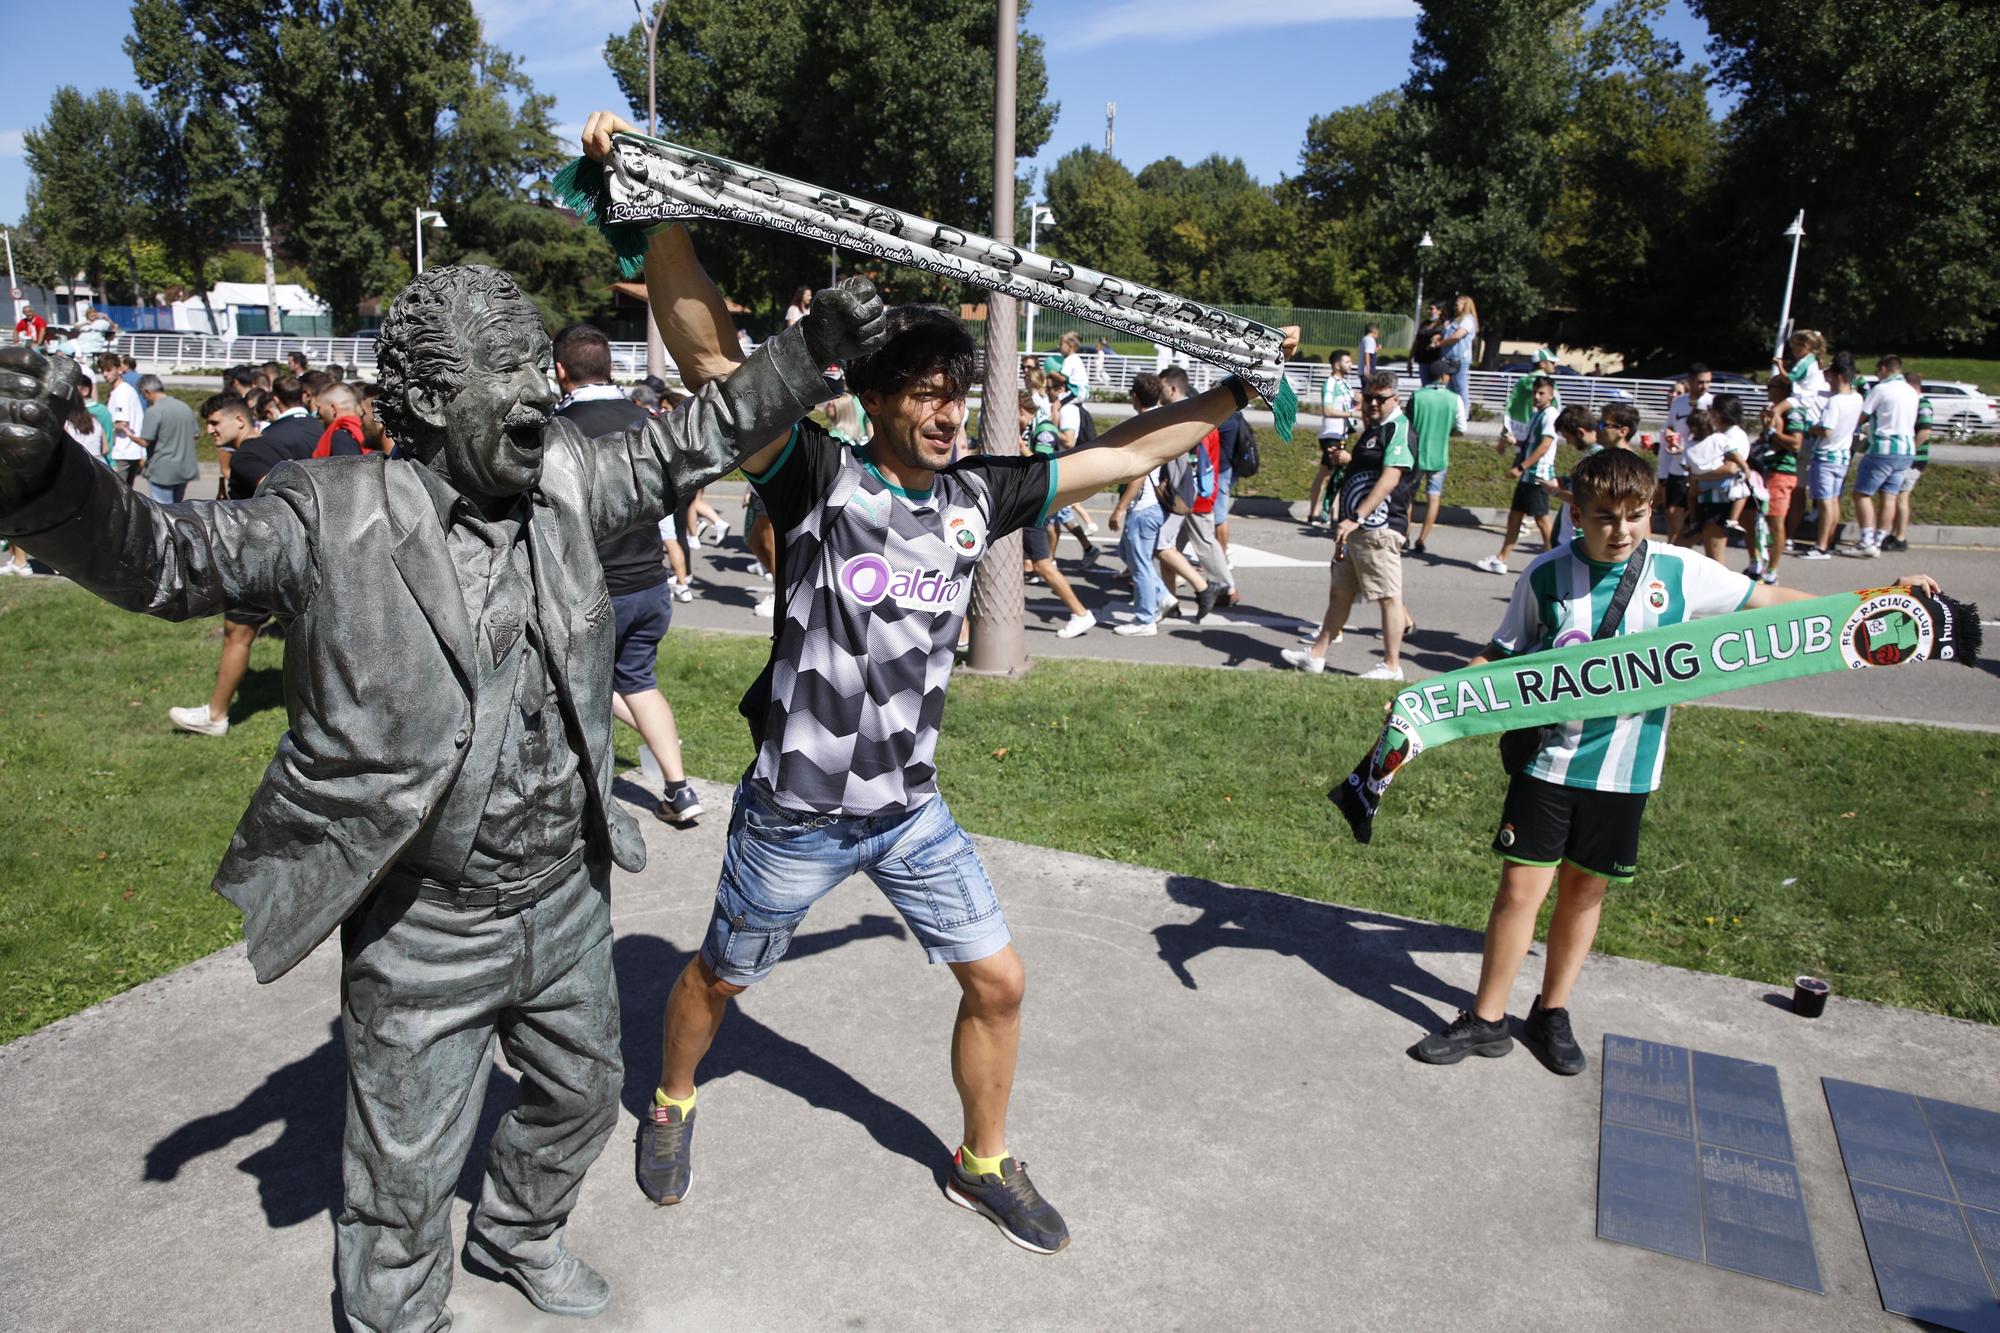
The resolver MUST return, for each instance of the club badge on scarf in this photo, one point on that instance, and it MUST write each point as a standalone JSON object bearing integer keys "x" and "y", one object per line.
{"x": 1636, "y": 673}
{"x": 650, "y": 181}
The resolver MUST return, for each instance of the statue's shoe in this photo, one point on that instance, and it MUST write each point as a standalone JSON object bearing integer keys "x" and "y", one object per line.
{"x": 569, "y": 1286}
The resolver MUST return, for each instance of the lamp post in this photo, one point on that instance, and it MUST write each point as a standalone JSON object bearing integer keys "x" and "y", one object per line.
{"x": 1424, "y": 248}
{"x": 13, "y": 287}
{"x": 656, "y": 348}
{"x": 427, "y": 217}
{"x": 1037, "y": 214}
{"x": 1797, "y": 231}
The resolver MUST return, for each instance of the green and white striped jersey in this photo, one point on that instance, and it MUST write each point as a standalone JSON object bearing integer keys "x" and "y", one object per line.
{"x": 1541, "y": 426}
{"x": 1891, "y": 409}
{"x": 1558, "y": 601}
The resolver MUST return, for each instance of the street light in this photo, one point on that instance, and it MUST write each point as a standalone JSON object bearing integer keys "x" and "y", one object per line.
{"x": 1037, "y": 214}
{"x": 1797, "y": 232}
{"x": 656, "y": 347}
{"x": 431, "y": 217}
{"x": 1424, "y": 248}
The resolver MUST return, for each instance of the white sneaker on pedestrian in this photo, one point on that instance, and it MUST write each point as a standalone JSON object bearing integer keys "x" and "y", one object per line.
{"x": 1136, "y": 629}
{"x": 1868, "y": 552}
{"x": 1383, "y": 671}
{"x": 1089, "y": 527}
{"x": 682, "y": 592}
{"x": 1814, "y": 553}
{"x": 1312, "y": 636}
{"x": 197, "y": 720}
{"x": 721, "y": 535}
{"x": 1076, "y": 625}
{"x": 1303, "y": 659}
{"x": 765, "y": 575}
{"x": 768, "y": 607}
{"x": 1493, "y": 564}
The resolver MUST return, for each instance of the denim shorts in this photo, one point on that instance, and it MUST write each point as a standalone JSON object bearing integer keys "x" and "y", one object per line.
{"x": 1434, "y": 482}
{"x": 1881, "y": 474}
{"x": 1224, "y": 485}
{"x": 778, "y": 863}
{"x": 641, "y": 619}
{"x": 1824, "y": 479}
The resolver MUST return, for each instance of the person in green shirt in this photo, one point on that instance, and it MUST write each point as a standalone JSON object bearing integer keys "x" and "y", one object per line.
{"x": 1521, "y": 394}
{"x": 1436, "y": 414}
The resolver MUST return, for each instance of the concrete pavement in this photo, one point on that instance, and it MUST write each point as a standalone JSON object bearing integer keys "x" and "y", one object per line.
{"x": 1282, "y": 571}
{"x": 1213, "y": 1088}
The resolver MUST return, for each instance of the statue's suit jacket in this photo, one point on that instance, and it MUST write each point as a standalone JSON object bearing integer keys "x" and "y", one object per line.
{"x": 379, "y": 655}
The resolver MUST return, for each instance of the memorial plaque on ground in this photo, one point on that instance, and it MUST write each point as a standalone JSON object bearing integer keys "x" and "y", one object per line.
{"x": 1926, "y": 1182}
{"x": 1695, "y": 1160}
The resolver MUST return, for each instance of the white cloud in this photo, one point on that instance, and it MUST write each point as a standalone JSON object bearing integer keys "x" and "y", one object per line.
{"x": 11, "y": 144}
{"x": 1194, "y": 20}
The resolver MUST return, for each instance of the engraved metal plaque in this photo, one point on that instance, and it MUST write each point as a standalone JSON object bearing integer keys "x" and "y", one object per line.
{"x": 1695, "y": 1160}
{"x": 1914, "y": 1166}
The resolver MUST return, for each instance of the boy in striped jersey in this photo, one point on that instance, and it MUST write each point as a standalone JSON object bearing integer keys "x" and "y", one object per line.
{"x": 1535, "y": 463}
{"x": 1572, "y": 814}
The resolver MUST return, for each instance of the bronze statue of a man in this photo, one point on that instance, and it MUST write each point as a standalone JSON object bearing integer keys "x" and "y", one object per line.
{"x": 443, "y": 793}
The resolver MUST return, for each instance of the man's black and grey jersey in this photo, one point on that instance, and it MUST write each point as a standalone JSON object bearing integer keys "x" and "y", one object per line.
{"x": 873, "y": 582}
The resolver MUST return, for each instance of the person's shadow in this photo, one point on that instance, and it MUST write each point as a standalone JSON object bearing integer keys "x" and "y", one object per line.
{"x": 647, "y": 968}
{"x": 298, "y": 1172}
{"x": 1363, "y": 952}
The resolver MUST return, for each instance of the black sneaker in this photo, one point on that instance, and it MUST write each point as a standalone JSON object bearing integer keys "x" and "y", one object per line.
{"x": 1205, "y": 600}
{"x": 666, "y": 1153}
{"x": 680, "y": 805}
{"x": 1548, "y": 1036}
{"x": 1469, "y": 1034}
{"x": 1417, "y": 547}
{"x": 1895, "y": 544}
{"x": 1012, "y": 1202}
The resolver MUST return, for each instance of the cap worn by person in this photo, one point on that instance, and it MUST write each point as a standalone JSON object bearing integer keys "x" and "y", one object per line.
{"x": 1543, "y": 354}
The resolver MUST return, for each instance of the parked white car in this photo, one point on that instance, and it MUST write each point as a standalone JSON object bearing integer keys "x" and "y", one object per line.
{"x": 1960, "y": 409}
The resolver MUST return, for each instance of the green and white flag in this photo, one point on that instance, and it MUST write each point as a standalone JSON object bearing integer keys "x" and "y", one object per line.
{"x": 1656, "y": 668}
{"x": 651, "y": 181}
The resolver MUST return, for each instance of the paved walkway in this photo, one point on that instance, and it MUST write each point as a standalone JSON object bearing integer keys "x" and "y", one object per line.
{"x": 1213, "y": 1088}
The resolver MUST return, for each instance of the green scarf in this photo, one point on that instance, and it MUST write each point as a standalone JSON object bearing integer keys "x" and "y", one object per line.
{"x": 1635, "y": 673}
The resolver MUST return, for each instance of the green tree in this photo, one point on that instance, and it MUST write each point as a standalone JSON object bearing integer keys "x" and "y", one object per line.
{"x": 1215, "y": 234}
{"x": 194, "y": 198}
{"x": 1100, "y": 215}
{"x": 891, "y": 101}
{"x": 1346, "y": 254}
{"x": 1491, "y": 88}
{"x": 87, "y": 161}
{"x": 1883, "y": 124}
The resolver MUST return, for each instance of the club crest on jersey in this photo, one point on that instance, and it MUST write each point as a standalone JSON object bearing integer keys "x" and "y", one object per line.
{"x": 966, "y": 531}
{"x": 1656, "y": 595}
{"x": 869, "y": 579}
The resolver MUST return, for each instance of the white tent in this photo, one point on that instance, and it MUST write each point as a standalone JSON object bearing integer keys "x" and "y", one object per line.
{"x": 229, "y": 298}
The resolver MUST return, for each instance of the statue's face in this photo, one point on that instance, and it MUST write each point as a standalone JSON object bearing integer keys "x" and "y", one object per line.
{"x": 493, "y": 425}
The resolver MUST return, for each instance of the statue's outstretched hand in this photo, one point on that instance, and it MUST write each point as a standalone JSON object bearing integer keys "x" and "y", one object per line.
{"x": 844, "y": 322}
{"x": 35, "y": 393}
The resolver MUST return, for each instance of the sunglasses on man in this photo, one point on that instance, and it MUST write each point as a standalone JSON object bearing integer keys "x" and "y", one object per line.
{"x": 1380, "y": 397}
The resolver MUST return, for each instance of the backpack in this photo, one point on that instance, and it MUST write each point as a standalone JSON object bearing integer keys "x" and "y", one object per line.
{"x": 1086, "y": 425}
{"x": 1243, "y": 460}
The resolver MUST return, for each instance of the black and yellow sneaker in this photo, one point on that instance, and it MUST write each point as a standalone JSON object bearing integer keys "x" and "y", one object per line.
{"x": 1468, "y": 1034}
{"x": 666, "y": 1153}
{"x": 1548, "y": 1035}
{"x": 1013, "y": 1203}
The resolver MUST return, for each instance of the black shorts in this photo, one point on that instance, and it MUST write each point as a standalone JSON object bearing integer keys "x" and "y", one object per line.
{"x": 246, "y": 615}
{"x": 641, "y": 619}
{"x": 1677, "y": 491}
{"x": 1543, "y": 824}
{"x": 1326, "y": 451}
{"x": 1530, "y": 499}
{"x": 1035, "y": 542}
{"x": 1710, "y": 511}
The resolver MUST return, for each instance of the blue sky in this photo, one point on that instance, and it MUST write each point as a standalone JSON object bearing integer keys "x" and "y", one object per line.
{"x": 1190, "y": 77}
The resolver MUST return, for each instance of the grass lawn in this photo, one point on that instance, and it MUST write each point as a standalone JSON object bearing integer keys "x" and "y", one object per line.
{"x": 1780, "y": 844}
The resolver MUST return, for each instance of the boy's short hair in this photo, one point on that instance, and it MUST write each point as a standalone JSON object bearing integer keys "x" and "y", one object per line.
{"x": 1617, "y": 477}
{"x": 1573, "y": 420}
{"x": 1540, "y": 380}
{"x": 1178, "y": 377}
{"x": 1890, "y": 364}
{"x": 224, "y": 404}
{"x": 1621, "y": 414}
{"x": 1146, "y": 389}
{"x": 1436, "y": 372}
{"x": 1336, "y": 354}
{"x": 923, "y": 340}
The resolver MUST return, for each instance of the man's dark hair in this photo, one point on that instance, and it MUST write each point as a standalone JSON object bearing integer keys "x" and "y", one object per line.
{"x": 1726, "y": 411}
{"x": 257, "y": 400}
{"x": 585, "y": 353}
{"x": 1890, "y": 364}
{"x": 420, "y": 345}
{"x": 110, "y": 363}
{"x": 1381, "y": 381}
{"x": 1573, "y": 421}
{"x": 924, "y": 340}
{"x": 1842, "y": 365}
{"x": 1621, "y": 414}
{"x": 1176, "y": 377}
{"x": 227, "y": 403}
{"x": 1617, "y": 477}
{"x": 289, "y": 392}
{"x": 1437, "y": 372}
{"x": 239, "y": 379}
{"x": 1697, "y": 369}
{"x": 315, "y": 381}
{"x": 1372, "y": 328}
{"x": 1146, "y": 390}
{"x": 272, "y": 369}
{"x": 1914, "y": 380}
{"x": 1336, "y": 354}
{"x": 1540, "y": 380}
{"x": 131, "y": 362}
{"x": 298, "y": 361}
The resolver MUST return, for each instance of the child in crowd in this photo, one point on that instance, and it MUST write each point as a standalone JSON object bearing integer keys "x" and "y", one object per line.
{"x": 1832, "y": 441}
{"x": 1534, "y": 463}
{"x": 1572, "y": 812}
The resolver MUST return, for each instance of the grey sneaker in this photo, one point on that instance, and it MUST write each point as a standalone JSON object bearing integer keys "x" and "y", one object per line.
{"x": 1468, "y": 1034}
{"x": 1012, "y": 1203}
{"x": 666, "y": 1154}
{"x": 569, "y": 1286}
{"x": 1549, "y": 1036}
{"x": 680, "y": 805}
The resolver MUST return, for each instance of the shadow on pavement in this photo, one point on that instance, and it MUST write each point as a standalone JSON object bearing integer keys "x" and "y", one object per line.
{"x": 1363, "y": 952}
{"x": 647, "y": 967}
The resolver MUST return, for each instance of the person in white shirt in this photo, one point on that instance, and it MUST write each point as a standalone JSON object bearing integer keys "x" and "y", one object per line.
{"x": 128, "y": 413}
{"x": 1072, "y": 363}
{"x": 1337, "y": 414}
{"x": 1831, "y": 442}
{"x": 1889, "y": 414}
{"x": 1672, "y": 471}
{"x": 802, "y": 301}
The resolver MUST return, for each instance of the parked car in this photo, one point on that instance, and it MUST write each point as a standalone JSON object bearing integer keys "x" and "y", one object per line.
{"x": 1960, "y": 409}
